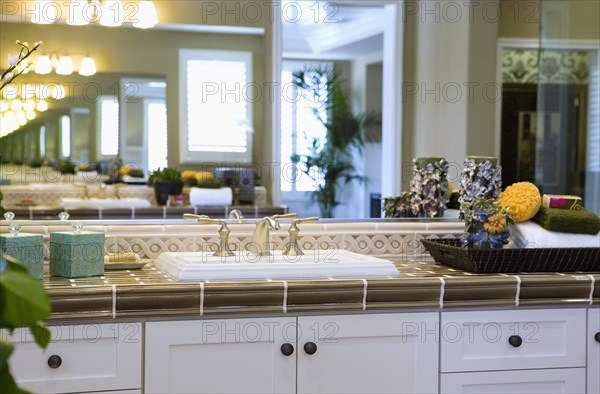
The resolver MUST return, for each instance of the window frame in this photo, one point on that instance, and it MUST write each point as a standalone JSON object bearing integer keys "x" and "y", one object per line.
{"x": 195, "y": 157}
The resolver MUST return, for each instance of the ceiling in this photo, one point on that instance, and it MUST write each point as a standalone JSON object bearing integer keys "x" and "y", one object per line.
{"x": 325, "y": 30}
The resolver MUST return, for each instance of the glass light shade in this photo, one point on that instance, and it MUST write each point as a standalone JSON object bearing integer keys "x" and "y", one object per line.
{"x": 88, "y": 67}
{"x": 29, "y": 105}
{"x": 112, "y": 13}
{"x": 57, "y": 92}
{"x": 146, "y": 15}
{"x": 77, "y": 13}
{"x": 30, "y": 115}
{"x": 64, "y": 66}
{"x": 4, "y": 106}
{"x": 21, "y": 118}
{"x": 42, "y": 106}
{"x": 43, "y": 65}
{"x": 16, "y": 105}
{"x": 45, "y": 12}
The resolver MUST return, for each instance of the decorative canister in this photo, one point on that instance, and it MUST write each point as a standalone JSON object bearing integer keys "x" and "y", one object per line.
{"x": 481, "y": 178}
{"x": 429, "y": 186}
{"x": 76, "y": 254}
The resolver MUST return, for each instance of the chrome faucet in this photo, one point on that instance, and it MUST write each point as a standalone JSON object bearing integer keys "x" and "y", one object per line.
{"x": 261, "y": 239}
{"x": 117, "y": 195}
{"x": 102, "y": 191}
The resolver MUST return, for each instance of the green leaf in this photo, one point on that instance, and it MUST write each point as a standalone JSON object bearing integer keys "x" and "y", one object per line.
{"x": 9, "y": 263}
{"x": 23, "y": 300}
{"x": 41, "y": 334}
{"x": 6, "y": 349}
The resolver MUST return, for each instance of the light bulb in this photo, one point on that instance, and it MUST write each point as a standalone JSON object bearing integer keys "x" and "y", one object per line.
{"x": 43, "y": 65}
{"x": 30, "y": 115}
{"x": 112, "y": 13}
{"x": 16, "y": 105}
{"x": 88, "y": 67}
{"x": 21, "y": 118}
{"x": 65, "y": 65}
{"x": 29, "y": 105}
{"x": 42, "y": 105}
{"x": 146, "y": 15}
{"x": 4, "y": 106}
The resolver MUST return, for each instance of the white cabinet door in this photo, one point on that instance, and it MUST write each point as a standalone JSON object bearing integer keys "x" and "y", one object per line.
{"x": 541, "y": 381}
{"x": 378, "y": 353}
{"x": 593, "y": 367}
{"x": 79, "y": 358}
{"x": 521, "y": 339}
{"x": 220, "y": 356}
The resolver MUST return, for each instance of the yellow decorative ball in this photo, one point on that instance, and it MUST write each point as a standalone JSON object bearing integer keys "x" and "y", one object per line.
{"x": 522, "y": 199}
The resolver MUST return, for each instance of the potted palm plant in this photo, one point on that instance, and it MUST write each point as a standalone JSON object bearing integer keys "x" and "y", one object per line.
{"x": 330, "y": 160}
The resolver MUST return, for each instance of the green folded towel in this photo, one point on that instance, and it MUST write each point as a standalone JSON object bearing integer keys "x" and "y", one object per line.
{"x": 566, "y": 221}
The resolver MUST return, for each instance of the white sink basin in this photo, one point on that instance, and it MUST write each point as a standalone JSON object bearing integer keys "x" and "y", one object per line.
{"x": 323, "y": 264}
{"x": 106, "y": 203}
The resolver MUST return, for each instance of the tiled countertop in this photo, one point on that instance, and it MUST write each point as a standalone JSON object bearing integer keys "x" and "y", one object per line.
{"x": 148, "y": 293}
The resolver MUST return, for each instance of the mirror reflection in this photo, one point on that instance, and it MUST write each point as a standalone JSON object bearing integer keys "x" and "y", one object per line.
{"x": 195, "y": 91}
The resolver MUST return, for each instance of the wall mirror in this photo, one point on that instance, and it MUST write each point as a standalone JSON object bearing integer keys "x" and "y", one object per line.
{"x": 132, "y": 107}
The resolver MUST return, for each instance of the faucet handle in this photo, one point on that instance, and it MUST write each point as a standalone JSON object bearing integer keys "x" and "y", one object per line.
{"x": 223, "y": 249}
{"x": 285, "y": 216}
{"x": 293, "y": 248}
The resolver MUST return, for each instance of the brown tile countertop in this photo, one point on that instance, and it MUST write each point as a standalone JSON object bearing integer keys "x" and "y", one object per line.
{"x": 148, "y": 293}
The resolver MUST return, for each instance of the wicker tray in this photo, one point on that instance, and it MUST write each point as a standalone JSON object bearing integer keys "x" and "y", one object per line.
{"x": 449, "y": 252}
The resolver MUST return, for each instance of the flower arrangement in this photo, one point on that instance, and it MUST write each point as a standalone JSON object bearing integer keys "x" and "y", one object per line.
{"x": 86, "y": 167}
{"x": 486, "y": 224}
{"x": 16, "y": 63}
{"x": 398, "y": 206}
{"x": 429, "y": 186}
{"x": 480, "y": 178}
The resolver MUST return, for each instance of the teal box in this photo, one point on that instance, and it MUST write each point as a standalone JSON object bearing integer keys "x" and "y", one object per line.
{"x": 28, "y": 249}
{"x": 76, "y": 255}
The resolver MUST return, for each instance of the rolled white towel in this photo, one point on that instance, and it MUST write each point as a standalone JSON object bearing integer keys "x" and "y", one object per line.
{"x": 203, "y": 197}
{"x": 531, "y": 235}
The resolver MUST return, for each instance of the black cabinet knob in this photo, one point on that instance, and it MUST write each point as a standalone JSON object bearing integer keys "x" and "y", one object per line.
{"x": 515, "y": 340}
{"x": 54, "y": 361}
{"x": 597, "y": 337}
{"x": 287, "y": 349}
{"x": 310, "y": 347}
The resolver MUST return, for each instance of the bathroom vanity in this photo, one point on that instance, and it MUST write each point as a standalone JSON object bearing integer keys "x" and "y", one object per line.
{"x": 431, "y": 329}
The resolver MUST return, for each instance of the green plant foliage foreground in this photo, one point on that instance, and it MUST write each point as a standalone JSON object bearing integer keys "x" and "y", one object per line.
{"x": 330, "y": 161}
{"x": 23, "y": 303}
{"x": 166, "y": 174}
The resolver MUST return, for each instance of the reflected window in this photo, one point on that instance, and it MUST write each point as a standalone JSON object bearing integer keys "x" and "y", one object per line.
{"x": 157, "y": 135}
{"x": 216, "y": 97}
{"x": 299, "y": 127}
{"x": 108, "y": 115}
{"x": 42, "y": 140}
{"x": 65, "y": 135}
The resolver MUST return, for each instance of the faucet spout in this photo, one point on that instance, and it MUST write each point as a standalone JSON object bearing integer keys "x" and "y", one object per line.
{"x": 261, "y": 239}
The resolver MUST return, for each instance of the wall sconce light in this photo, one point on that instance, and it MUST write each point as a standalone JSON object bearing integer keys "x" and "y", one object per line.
{"x": 88, "y": 67}
{"x": 64, "y": 65}
{"x": 146, "y": 15}
{"x": 112, "y": 13}
{"x": 105, "y": 12}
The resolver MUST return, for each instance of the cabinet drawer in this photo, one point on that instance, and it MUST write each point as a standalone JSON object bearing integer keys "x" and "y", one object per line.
{"x": 569, "y": 380}
{"x": 89, "y": 357}
{"x": 524, "y": 339}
